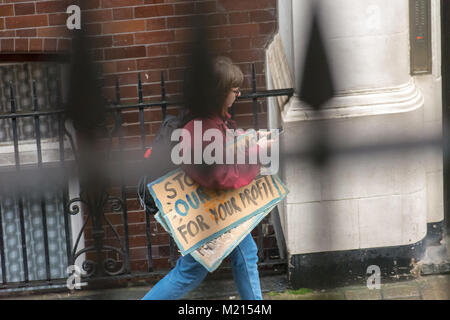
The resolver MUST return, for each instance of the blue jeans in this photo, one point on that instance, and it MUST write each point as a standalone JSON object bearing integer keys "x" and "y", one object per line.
{"x": 188, "y": 274}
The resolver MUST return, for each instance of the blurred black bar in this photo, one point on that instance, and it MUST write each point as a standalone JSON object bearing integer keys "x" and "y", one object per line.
{"x": 2, "y": 249}
{"x": 37, "y": 130}
{"x": 255, "y": 100}
{"x": 18, "y": 196}
{"x": 147, "y": 216}
{"x": 65, "y": 190}
{"x": 163, "y": 96}
{"x": 141, "y": 113}
{"x": 445, "y": 43}
{"x": 172, "y": 251}
{"x": 256, "y": 127}
{"x": 117, "y": 91}
{"x": 123, "y": 192}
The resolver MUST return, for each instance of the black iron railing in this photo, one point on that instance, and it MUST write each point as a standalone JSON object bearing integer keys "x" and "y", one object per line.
{"x": 117, "y": 260}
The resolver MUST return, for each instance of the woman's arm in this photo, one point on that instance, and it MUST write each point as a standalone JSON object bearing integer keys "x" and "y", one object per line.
{"x": 220, "y": 176}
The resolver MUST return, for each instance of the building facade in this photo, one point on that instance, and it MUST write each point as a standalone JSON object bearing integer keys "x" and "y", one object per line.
{"x": 376, "y": 201}
{"x": 130, "y": 37}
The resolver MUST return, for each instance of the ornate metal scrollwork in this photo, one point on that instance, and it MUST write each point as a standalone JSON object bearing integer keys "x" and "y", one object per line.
{"x": 101, "y": 265}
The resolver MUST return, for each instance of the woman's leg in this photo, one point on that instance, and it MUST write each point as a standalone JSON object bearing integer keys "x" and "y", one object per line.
{"x": 186, "y": 276}
{"x": 244, "y": 259}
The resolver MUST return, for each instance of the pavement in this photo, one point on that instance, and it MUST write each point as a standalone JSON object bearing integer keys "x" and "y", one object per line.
{"x": 430, "y": 287}
{"x": 429, "y": 280}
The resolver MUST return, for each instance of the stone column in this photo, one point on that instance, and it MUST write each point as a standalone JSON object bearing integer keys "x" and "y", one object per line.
{"x": 365, "y": 199}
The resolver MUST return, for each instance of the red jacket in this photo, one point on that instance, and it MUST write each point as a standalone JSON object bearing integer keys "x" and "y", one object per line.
{"x": 219, "y": 176}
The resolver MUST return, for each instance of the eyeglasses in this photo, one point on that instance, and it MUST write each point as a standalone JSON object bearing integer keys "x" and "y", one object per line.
{"x": 237, "y": 92}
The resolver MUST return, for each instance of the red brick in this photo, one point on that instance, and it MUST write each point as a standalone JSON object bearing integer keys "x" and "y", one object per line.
{"x": 126, "y": 66}
{"x": 26, "y": 33}
{"x": 6, "y": 10}
{"x": 260, "y": 42}
{"x": 21, "y": 45}
{"x": 216, "y": 19}
{"x": 53, "y": 6}
{"x": 142, "y": 265}
{"x": 206, "y": 6}
{"x": 183, "y": 34}
{"x": 179, "y": 48}
{"x": 124, "y": 26}
{"x": 57, "y": 19}
{"x": 120, "y": 3}
{"x": 181, "y": 9}
{"x": 7, "y": 45}
{"x": 36, "y": 45}
{"x": 236, "y": 31}
{"x": 102, "y": 42}
{"x": 158, "y": 1}
{"x": 247, "y": 67}
{"x": 181, "y": 22}
{"x": 138, "y": 253}
{"x": 154, "y": 37}
{"x": 263, "y": 15}
{"x": 53, "y": 32}
{"x": 156, "y": 24}
{"x": 154, "y": 76}
{"x": 123, "y": 39}
{"x": 50, "y": 44}
{"x": 239, "y": 17}
{"x": 157, "y": 50}
{"x": 27, "y": 21}
{"x": 267, "y": 28}
{"x": 153, "y": 11}
{"x": 124, "y": 79}
{"x": 239, "y": 5}
{"x": 221, "y": 45}
{"x": 2, "y": 23}
{"x": 124, "y": 53}
{"x": 24, "y": 9}
{"x": 7, "y": 34}
{"x": 91, "y": 4}
{"x": 109, "y": 67}
{"x": 154, "y": 63}
{"x": 251, "y": 55}
{"x": 241, "y": 43}
{"x": 123, "y": 13}
{"x": 98, "y": 16}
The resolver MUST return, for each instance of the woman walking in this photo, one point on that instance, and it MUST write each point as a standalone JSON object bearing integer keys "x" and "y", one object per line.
{"x": 188, "y": 273}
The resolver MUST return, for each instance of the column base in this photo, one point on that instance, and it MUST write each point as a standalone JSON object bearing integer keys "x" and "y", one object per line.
{"x": 342, "y": 268}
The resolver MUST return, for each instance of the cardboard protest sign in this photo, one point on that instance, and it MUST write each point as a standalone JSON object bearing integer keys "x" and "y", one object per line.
{"x": 195, "y": 215}
{"x": 211, "y": 254}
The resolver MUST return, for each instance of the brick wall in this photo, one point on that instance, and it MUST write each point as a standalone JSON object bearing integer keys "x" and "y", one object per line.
{"x": 147, "y": 37}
